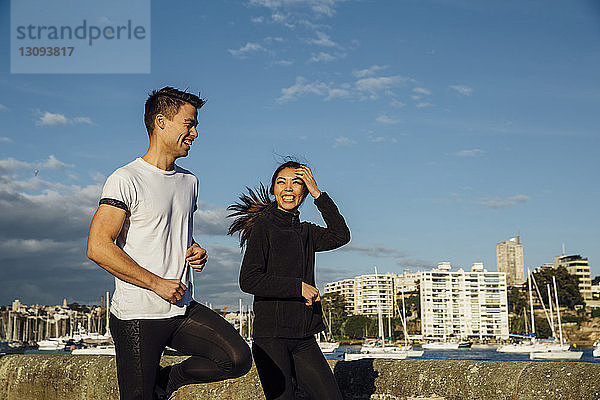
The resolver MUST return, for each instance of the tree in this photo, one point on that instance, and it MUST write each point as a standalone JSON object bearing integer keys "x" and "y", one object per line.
{"x": 567, "y": 286}
{"x": 542, "y": 328}
{"x": 359, "y": 326}
{"x": 334, "y": 312}
{"x": 517, "y": 300}
{"x": 413, "y": 305}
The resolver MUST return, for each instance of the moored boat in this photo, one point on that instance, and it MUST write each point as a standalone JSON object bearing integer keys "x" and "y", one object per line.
{"x": 556, "y": 355}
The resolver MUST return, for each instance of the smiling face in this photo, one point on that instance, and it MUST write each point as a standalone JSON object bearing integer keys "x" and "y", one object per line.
{"x": 179, "y": 133}
{"x": 289, "y": 190}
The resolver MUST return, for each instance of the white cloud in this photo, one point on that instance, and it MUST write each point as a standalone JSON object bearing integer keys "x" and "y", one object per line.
{"x": 384, "y": 119}
{"x": 422, "y": 91}
{"x": 381, "y": 139}
{"x": 424, "y": 104}
{"x": 5, "y": 139}
{"x": 379, "y": 84}
{"x": 470, "y": 153}
{"x": 246, "y": 49}
{"x": 28, "y": 246}
{"x": 397, "y": 104}
{"x": 258, "y": 20}
{"x": 210, "y": 219}
{"x": 362, "y": 73}
{"x": 343, "y": 141}
{"x": 14, "y": 166}
{"x": 271, "y": 39}
{"x": 313, "y": 26}
{"x": 53, "y": 163}
{"x": 301, "y": 88}
{"x": 285, "y": 63}
{"x": 321, "y": 57}
{"x": 497, "y": 202}
{"x": 317, "y": 7}
{"x": 462, "y": 89}
{"x": 337, "y": 94}
{"x": 3, "y": 107}
{"x": 82, "y": 120}
{"x": 51, "y": 119}
{"x": 322, "y": 40}
{"x": 10, "y": 164}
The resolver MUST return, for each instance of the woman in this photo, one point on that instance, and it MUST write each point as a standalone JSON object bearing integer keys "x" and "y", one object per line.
{"x": 279, "y": 270}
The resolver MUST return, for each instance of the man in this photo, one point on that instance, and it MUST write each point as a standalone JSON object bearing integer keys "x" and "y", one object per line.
{"x": 142, "y": 234}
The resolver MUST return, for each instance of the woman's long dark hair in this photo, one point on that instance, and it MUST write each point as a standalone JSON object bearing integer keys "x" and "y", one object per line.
{"x": 256, "y": 203}
{"x": 250, "y": 207}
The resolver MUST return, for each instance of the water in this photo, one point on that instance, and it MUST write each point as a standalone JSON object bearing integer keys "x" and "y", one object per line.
{"x": 476, "y": 353}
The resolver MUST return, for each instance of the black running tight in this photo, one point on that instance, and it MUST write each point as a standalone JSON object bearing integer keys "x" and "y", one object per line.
{"x": 217, "y": 351}
{"x": 279, "y": 361}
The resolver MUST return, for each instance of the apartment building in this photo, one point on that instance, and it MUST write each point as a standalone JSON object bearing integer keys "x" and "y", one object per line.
{"x": 346, "y": 289}
{"x": 364, "y": 294}
{"x": 578, "y": 266}
{"x": 509, "y": 258}
{"x": 464, "y": 305}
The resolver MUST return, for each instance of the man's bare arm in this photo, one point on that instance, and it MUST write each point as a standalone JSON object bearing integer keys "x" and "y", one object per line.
{"x": 101, "y": 248}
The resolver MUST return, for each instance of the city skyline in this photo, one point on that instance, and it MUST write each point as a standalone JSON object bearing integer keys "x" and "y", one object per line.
{"x": 440, "y": 129}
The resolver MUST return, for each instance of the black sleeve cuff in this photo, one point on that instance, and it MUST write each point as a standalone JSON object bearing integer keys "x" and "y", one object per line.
{"x": 114, "y": 203}
{"x": 323, "y": 198}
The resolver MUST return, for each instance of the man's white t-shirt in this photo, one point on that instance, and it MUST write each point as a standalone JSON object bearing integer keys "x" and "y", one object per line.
{"x": 156, "y": 233}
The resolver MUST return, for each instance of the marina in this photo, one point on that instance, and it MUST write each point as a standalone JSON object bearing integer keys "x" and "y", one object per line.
{"x": 476, "y": 353}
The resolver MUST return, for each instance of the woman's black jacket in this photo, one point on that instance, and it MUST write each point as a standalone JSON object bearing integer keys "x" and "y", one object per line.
{"x": 280, "y": 255}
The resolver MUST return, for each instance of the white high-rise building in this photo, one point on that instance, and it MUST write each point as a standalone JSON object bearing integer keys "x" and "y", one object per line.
{"x": 463, "y": 304}
{"x": 373, "y": 292}
{"x": 578, "y": 266}
{"x": 344, "y": 288}
{"x": 407, "y": 282}
{"x": 509, "y": 259}
{"x": 364, "y": 293}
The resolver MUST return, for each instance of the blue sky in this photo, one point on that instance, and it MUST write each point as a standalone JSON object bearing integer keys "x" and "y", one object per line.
{"x": 439, "y": 127}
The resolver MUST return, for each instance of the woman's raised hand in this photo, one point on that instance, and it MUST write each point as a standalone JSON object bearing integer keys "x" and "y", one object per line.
{"x": 309, "y": 180}
{"x": 310, "y": 293}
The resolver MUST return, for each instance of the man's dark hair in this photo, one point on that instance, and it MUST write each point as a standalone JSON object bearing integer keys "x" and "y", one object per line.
{"x": 167, "y": 101}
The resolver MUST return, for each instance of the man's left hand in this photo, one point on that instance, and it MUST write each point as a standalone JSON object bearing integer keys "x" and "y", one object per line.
{"x": 196, "y": 256}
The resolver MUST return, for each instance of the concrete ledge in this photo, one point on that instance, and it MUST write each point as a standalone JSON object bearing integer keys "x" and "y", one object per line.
{"x": 66, "y": 377}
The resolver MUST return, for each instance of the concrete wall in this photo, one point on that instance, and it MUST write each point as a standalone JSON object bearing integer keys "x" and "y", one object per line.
{"x": 66, "y": 377}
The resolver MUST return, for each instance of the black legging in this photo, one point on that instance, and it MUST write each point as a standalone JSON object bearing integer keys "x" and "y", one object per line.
{"x": 278, "y": 360}
{"x": 217, "y": 351}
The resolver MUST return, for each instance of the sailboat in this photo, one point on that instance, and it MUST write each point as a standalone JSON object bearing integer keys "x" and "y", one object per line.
{"x": 408, "y": 348}
{"x": 104, "y": 348}
{"x": 561, "y": 353}
{"x": 376, "y": 348}
{"x": 534, "y": 345}
{"x": 327, "y": 346}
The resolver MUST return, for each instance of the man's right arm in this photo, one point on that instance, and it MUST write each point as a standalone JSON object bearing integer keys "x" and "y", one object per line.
{"x": 101, "y": 248}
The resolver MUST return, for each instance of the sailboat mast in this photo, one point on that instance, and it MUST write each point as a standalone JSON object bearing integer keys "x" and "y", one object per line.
{"x": 551, "y": 313}
{"x": 557, "y": 310}
{"x": 531, "y": 303}
{"x": 241, "y": 316}
{"x": 404, "y": 318}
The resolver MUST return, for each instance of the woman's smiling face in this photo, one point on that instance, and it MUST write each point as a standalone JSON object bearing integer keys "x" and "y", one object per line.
{"x": 288, "y": 189}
